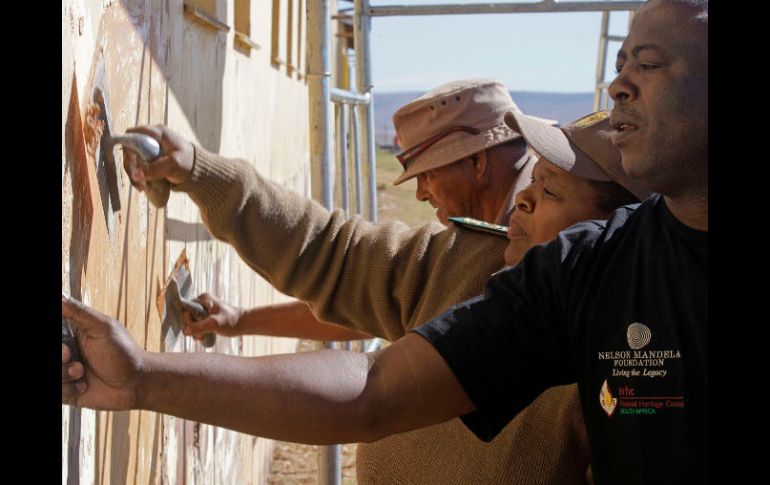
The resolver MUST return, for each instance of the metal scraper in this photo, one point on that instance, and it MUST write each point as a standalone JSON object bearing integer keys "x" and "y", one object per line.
{"x": 147, "y": 149}
{"x": 176, "y": 298}
{"x": 68, "y": 338}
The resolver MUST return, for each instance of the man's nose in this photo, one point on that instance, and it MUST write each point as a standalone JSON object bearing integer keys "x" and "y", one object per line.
{"x": 525, "y": 200}
{"x": 621, "y": 89}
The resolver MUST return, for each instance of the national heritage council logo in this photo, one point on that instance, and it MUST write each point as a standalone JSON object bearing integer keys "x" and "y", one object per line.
{"x": 607, "y": 400}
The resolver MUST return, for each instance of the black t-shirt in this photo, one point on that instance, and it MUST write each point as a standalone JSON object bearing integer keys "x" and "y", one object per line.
{"x": 620, "y": 307}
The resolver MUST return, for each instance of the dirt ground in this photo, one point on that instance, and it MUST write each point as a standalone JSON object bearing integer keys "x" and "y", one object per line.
{"x": 295, "y": 464}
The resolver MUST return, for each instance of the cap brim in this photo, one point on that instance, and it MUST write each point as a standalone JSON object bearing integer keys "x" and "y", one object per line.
{"x": 454, "y": 148}
{"x": 554, "y": 145}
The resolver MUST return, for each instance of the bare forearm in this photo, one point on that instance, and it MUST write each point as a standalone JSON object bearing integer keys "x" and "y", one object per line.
{"x": 293, "y": 319}
{"x": 313, "y": 397}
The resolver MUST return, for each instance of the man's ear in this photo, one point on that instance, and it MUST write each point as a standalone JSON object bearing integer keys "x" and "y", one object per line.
{"x": 480, "y": 163}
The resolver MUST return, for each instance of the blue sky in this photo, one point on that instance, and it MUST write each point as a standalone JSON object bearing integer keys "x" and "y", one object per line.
{"x": 553, "y": 52}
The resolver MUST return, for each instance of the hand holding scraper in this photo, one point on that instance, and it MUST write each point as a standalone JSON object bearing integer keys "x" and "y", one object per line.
{"x": 156, "y": 160}
{"x": 174, "y": 299}
{"x": 68, "y": 338}
{"x": 147, "y": 149}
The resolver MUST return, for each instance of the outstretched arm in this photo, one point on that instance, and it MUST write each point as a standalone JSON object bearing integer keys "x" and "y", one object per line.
{"x": 293, "y": 319}
{"x": 314, "y": 397}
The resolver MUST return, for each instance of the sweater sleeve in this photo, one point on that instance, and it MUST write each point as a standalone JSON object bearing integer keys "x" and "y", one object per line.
{"x": 375, "y": 278}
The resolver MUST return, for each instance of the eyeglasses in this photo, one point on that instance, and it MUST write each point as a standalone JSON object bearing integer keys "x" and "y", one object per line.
{"x": 410, "y": 153}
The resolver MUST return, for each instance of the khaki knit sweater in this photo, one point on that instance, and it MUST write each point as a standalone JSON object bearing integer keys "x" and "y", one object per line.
{"x": 384, "y": 280}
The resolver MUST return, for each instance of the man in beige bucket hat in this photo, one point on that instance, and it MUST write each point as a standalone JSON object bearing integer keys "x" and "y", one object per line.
{"x": 467, "y": 161}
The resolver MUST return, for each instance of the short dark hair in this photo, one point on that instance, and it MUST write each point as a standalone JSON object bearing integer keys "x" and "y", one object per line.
{"x": 611, "y": 195}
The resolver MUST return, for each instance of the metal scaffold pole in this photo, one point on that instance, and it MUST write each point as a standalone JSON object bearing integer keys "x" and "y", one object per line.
{"x": 319, "y": 78}
{"x": 361, "y": 28}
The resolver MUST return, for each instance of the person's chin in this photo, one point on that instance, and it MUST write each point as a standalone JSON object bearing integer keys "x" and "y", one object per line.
{"x": 442, "y": 216}
{"x": 512, "y": 254}
{"x": 632, "y": 163}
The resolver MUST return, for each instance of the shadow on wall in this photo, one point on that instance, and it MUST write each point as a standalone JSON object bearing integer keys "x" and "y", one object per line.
{"x": 191, "y": 57}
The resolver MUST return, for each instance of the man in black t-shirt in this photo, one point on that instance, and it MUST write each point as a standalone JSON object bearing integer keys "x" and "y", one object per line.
{"x": 620, "y": 307}
{"x": 597, "y": 307}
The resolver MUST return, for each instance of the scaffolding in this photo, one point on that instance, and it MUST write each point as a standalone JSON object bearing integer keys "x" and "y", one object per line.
{"x": 351, "y": 111}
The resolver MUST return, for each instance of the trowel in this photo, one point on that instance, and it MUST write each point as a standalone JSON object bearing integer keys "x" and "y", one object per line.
{"x": 174, "y": 298}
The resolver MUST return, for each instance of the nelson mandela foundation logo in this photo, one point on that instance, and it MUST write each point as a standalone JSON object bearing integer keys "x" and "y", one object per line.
{"x": 628, "y": 395}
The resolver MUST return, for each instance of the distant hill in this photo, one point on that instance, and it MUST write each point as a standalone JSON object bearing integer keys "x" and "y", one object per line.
{"x": 555, "y": 106}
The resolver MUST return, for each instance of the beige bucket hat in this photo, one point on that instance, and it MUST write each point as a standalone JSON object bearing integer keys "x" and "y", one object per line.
{"x": 583, "y": 147}
{"x": 451, "y": 122}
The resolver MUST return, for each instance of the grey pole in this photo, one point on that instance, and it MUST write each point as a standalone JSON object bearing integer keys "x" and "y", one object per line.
{"x": 361, "y": 26}
{"x": 500, "y": 7}
{"x": 318, "y": 80}
{"x": 342, "y": 149}
{"x": 601, "y": 60}
{"x": 355, "y": 146}
{"x": 318, "y": 19}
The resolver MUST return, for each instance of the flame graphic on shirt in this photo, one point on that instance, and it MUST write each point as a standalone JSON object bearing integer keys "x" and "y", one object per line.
{"x": 606, "y": 400}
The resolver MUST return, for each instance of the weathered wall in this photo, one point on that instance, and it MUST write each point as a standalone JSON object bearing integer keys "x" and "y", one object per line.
{"x": 157, "y": 65}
